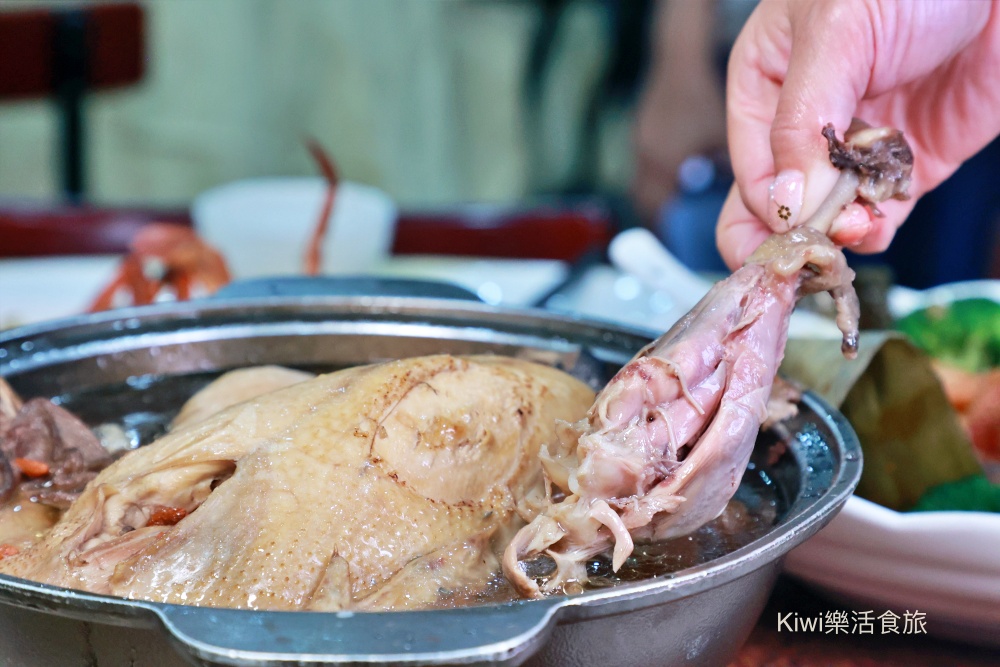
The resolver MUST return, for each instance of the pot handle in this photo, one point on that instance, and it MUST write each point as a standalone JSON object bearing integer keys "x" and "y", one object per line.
{"x": 497, "y": 634}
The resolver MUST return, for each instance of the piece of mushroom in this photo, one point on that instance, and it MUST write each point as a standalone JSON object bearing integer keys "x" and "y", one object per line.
{"x": 875, "y": 164}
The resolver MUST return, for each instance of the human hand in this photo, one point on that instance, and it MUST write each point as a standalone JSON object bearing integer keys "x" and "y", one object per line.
{"x": 930, "y": 68}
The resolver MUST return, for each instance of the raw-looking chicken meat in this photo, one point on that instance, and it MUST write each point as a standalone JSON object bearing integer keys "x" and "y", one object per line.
{"x": 377, "y": 487}
{"x": 666, "y": 443}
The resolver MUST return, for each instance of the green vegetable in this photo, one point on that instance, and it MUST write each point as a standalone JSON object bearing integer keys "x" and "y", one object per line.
{"x": 963, "y": 333}
{"x": 972, "y": 494}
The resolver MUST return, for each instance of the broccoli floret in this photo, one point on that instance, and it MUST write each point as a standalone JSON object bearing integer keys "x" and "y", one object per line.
{"x": 964, "y": 333}
{"x": 972, "y": 494}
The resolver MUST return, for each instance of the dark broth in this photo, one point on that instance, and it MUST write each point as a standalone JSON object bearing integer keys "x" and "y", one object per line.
{"x": 751, "y": 513}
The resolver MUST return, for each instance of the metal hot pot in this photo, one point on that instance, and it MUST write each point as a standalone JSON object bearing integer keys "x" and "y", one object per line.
{"x": 698, "y": 616}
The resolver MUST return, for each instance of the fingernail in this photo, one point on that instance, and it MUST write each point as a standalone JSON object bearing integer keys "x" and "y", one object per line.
{"x": 785, "y": 201}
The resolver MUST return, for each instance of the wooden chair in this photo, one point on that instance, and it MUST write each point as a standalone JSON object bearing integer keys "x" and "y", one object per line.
{"x": 63, "y": 54}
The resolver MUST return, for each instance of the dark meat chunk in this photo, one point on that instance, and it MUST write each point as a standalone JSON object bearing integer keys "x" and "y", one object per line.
{"x": 42, "y": 435}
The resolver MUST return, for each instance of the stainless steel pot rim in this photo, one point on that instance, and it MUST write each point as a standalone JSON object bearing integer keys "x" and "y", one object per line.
{"x": 531, "y": 620}
{"x": 187, "y": 314}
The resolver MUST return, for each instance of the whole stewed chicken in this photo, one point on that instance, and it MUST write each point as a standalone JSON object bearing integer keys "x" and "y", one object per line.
{"x": 375, "y": 487}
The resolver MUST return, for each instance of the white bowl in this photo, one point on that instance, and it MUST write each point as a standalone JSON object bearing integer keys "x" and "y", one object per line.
{"x": 262, "y": 226}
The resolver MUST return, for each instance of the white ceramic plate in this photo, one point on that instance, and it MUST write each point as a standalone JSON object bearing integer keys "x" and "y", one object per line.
{"x": 32, "y": 290}
{"x": 943, "y": 564}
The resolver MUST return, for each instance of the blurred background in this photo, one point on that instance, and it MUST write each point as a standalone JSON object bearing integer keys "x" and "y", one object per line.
{"x": 610, "y": 108}
{"x": 434, "y": 102}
